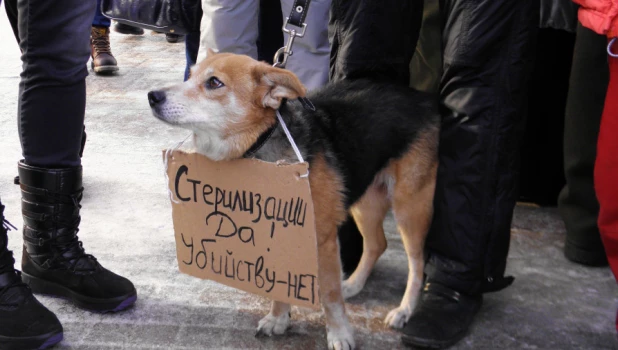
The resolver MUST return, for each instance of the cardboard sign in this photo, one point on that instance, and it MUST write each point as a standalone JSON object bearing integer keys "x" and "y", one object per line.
{"x": 247, "y": 224}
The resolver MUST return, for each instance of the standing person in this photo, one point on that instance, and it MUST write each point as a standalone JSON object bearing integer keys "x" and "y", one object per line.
{"x": 103, "y": 61}
{"x": 606, "y": 166}
{"x": 484, "y": 64}
{"x": 577, "y": 203}
{"x": 311, "y": 53}
{"x": 601, "y": 16}
{"x": 52, "y": 98}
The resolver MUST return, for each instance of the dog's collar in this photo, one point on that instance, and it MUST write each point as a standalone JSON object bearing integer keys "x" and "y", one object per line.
{"x": 261, "y": 140}
{"x": 305, "y": 102}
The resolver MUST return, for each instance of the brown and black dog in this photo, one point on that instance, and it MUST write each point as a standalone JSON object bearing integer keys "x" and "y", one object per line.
{"x": 371, "y": 146}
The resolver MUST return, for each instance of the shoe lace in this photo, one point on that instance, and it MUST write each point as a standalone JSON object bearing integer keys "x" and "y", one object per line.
{"x": 100, "y": 41}
{"x": 68, "y": 242}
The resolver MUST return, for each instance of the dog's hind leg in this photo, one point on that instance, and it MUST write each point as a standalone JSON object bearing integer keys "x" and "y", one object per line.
{"x": 369, "y": 213}
{"x": 277, "y": 321}
{"x": 413, "y": 207}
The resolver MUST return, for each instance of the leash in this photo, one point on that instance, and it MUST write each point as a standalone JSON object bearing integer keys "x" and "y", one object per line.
{"x": 609, "y": 48}
{"x": 296, "y": 18}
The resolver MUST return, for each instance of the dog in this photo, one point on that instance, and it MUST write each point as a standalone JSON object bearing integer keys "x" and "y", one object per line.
{"x": 371, "y": 146}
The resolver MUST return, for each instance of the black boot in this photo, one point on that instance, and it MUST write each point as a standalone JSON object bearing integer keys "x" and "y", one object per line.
{"x": 54, "y": 261}
{"x": 127, "y": 29}
{"x": 24, "y": 322}
{"x": 442, "y": 317}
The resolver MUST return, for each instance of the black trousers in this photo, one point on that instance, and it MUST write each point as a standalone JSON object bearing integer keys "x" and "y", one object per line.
{"x": 487, "y": 52}
{"x": 578, "y": 203}
{"x": 373, "y": 39}
{"x": 54, "y": 40}
{"x": 486, "y": 58}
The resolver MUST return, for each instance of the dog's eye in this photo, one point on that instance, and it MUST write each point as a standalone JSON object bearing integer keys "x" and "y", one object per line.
{"x": 213, "y": 83}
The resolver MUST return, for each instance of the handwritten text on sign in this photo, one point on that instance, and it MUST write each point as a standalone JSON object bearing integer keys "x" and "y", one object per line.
{"x": 247, "y": 224}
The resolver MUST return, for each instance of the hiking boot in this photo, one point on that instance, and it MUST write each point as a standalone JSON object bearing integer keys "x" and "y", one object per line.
{"x": 127, "y": 29}
{"x": 442, "y": 317}
{"x": 103, "y": 62}
{"x": 24, "y": 322}
{"x": 54, "y": 262}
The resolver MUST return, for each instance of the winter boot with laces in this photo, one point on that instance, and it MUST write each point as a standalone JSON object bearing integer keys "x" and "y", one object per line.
{"x": 24, "y": 322}
{"x": 54, "y": 262}
{"x": 103, "y": 62}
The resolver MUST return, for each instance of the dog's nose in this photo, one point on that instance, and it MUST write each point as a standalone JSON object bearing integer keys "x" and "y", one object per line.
{"x": 155, "y": 97}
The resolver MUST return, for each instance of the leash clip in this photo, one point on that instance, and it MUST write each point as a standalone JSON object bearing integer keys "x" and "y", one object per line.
{"x": 281, "y": 56}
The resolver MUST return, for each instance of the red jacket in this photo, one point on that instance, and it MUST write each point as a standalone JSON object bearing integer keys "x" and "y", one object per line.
{"x": 600, "y": 16}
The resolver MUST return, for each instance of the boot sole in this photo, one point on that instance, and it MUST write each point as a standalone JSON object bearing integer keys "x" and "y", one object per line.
{"x": 105, "y": 69}
{"x": 172, "y": 40}
{"x": 40, "y": 286}
{"x": 578, "y": 255}
{"x": 44, "y": 341}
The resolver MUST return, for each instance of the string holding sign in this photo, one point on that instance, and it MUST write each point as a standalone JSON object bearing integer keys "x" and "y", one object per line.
{"x": 291, "y": 139}
{"x": 166, "y": 157}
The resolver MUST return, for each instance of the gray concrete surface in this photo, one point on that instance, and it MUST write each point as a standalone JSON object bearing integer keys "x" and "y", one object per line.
{"x": 127, "y": 224}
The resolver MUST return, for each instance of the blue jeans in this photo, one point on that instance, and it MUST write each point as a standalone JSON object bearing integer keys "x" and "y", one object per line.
{"x": 54, "y": 40}
{"x": 192, "y": 46}
{"x": 100, "y": 20}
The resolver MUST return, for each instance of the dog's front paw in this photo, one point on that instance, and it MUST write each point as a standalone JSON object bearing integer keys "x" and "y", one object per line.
{"x": 270, "y": 324}
{"x": 396, "y": 318}
{"x": 349, "y": 288}
{"x": 341, "y": 339}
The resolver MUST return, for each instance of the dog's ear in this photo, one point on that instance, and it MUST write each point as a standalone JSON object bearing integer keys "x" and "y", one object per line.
{"x": 210, "y": 52}
{"x": 277, "y": 84}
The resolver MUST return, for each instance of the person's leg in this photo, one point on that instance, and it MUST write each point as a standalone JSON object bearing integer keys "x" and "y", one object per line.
{"x": 100, "y": 20}
{"x": 103, "y": 61}
{"x": 485, "y": 45}
{"x": 51, "y": 107}
{"x": 361, "y": 49}
{"x": 606, "y": 170}
{"x": 311, "y": 53}
{"x": 426, "y": 64}
{"x": 217, "y": 33}
{"x": 11, "y": 12}
{"x": 24, "y": 322}
{"x": 192, "y": 46}
{"x": 270, "y": 38}
{"x": 577, "y": 203}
